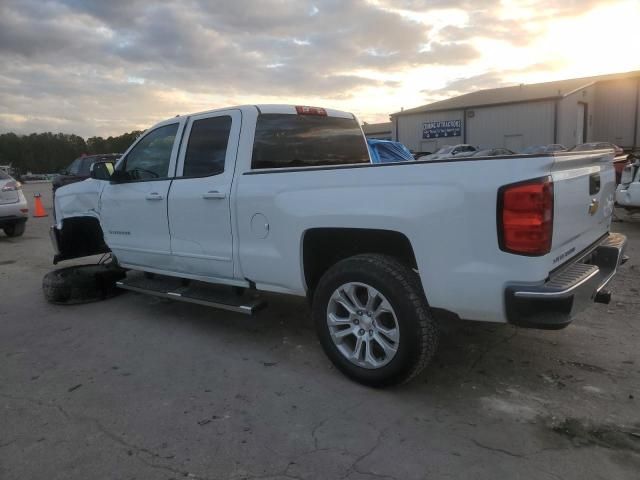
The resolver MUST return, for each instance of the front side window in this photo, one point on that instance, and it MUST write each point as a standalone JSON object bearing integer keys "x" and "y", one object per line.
{"x": 150, "y": 158}
{"x": 207, "y": 147}
{"x": 286, "y": 140}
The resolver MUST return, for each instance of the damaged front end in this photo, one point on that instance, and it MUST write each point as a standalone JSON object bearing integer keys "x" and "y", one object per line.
{"x": 79, "y": 237}
{"x": 77, "y": 232}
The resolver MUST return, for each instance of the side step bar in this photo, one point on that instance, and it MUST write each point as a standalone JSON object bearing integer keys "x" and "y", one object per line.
{"x": 200, "y": 293}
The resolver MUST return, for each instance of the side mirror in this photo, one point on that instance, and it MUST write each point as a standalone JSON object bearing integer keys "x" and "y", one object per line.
{"x": 120, "y": 176}
{"x": 102, "y": 171}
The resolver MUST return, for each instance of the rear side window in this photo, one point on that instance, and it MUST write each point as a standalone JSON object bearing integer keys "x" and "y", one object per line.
{"x": 285, "y": 140}
{"x": 207, "y": 147}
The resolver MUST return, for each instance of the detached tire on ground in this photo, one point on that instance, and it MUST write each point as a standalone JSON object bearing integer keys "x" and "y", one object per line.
{"x": 81, "y": 284}
{"x": 373, "y": 320}
{"x": 15, "y": 230}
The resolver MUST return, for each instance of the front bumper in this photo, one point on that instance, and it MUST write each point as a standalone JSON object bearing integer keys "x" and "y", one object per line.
{"x": 55, "y": 243}
{"x": 569, "y": 290}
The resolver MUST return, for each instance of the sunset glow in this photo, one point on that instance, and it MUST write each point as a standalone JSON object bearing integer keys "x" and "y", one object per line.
{"x": 110, "y": 68}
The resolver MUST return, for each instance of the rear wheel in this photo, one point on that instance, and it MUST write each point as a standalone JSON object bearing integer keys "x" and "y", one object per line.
{"x": 373, "y": 320}
{"x": 15, "y": 229}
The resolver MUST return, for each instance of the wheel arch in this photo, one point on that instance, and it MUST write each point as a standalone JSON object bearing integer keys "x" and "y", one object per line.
{"x": 79, "y": 236}
{"x": 323, "y": 247}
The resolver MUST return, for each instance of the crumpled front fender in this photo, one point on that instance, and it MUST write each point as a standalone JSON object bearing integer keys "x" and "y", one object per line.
{"x": 81, "y": 199}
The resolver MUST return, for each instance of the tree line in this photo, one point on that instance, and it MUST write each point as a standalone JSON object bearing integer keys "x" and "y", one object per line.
{"x": 51, "y": 152}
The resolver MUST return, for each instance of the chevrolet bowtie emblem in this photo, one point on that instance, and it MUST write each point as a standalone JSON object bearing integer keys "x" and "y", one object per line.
{"x": 593, "y": 207}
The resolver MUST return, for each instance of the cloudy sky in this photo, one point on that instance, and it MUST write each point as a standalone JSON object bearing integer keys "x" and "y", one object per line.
{"x": 106, "y": 67}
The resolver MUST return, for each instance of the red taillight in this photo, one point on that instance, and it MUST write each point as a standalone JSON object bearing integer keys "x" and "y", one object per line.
{"x": 11, "y": 186}
{"x": 525, "y": 217}
{"x": 302, "y": 110}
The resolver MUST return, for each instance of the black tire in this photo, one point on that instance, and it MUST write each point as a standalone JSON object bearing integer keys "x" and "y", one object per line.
{"x": 402, "y": 288}
{"x": 81, "y": 284}
{"x": 15, "y": 229}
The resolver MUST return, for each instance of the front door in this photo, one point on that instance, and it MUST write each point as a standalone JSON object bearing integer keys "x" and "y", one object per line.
{"x": 133, "y": 213}
{"x": 199, "y": 198}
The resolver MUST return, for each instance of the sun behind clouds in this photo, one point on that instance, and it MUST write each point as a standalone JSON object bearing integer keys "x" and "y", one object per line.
{"x": 104, "y": 68}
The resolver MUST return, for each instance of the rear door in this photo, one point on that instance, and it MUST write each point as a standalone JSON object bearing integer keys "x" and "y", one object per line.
{"x": 199, "y": 199}
{"x": 584, "y": 188}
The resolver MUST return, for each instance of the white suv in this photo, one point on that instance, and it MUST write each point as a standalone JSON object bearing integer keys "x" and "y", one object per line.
{"x": 14, "y": 210}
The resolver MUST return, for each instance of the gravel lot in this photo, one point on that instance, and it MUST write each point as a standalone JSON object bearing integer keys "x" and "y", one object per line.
{"x": 137, "y": 387}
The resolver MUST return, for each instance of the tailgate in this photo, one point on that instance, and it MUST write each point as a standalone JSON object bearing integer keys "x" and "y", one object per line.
{"x": 584, "y": 187}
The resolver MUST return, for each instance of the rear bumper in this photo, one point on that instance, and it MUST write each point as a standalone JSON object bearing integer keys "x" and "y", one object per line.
{"x": 17, "y": 211}
{"x": 12, "y": 220}
{"x": 552, "y": 304}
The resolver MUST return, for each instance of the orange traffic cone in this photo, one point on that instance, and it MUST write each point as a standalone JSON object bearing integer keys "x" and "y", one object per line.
{"x": 39, "y": 210}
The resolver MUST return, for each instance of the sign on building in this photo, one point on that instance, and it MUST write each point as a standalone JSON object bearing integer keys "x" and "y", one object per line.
{"x": 444, "y": 128}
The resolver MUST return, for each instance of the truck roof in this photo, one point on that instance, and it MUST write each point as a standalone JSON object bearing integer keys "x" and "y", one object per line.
{"x": 266, "y": 108}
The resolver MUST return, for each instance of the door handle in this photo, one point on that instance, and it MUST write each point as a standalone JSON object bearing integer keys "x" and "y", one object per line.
{"x": 154, "y": 196}
{"x": 214, "y": 194}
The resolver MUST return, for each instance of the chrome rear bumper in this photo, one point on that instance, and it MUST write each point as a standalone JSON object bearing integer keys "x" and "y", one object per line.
{"x": 552, "y": 304}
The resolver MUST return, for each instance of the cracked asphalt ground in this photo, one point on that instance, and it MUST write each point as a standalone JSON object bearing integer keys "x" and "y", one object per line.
{"x": 140, "y": 388}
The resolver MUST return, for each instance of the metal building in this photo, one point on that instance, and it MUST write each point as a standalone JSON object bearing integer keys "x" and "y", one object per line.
{"x": 601, "y": 108}
{"x": 379, "y": 131}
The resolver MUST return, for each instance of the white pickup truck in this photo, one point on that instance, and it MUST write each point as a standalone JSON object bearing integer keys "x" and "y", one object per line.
{"x": 285, "y": 199}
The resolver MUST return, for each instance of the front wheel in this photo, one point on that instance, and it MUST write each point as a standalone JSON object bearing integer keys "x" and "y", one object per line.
{"x": 373, "y": 320}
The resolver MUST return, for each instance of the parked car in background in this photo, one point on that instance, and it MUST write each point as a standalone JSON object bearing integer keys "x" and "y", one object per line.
{"x": 556, "y": 147}
{"x": 417, "y": 155}
{"x": 582, "y": 147}
{"x": 620, "y": 160}
{"x": 14, "y": 210}
{"x": 448, "y": 151}
{"x": 538, "y": 149}
{"x": 493, "y": 152}
{"x": 34, "y": 177}
{"x": 80, "y": 169}
{"x": 628, "y": 192}
{"x": 387, "y": 151}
